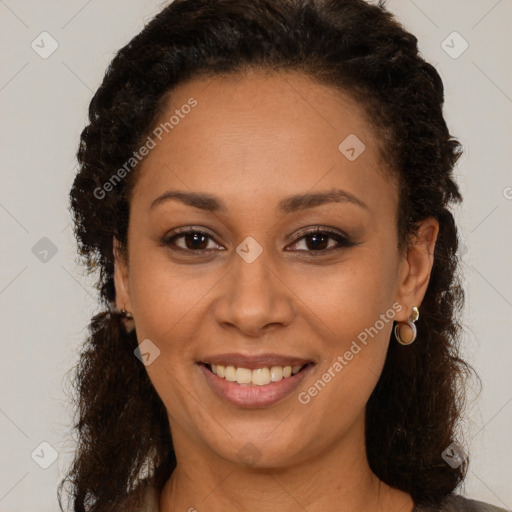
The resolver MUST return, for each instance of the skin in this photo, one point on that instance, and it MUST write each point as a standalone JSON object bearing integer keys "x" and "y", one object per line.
{"x": 252, "y": 140}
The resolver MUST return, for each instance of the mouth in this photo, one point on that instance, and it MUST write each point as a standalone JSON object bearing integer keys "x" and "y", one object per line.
{"x": 254, "y": 382}
{"x": 262, "y": 376}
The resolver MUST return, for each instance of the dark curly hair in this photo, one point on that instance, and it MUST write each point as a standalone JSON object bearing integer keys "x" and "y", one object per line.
{"x": 124, "y": 439}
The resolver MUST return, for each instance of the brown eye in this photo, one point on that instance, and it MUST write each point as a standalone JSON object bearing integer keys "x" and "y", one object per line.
{"x": 193, "y": 240}
{"x": 318, "y": 240}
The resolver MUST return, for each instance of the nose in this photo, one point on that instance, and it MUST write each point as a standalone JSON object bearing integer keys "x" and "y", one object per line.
{"x": 254, "y": 298}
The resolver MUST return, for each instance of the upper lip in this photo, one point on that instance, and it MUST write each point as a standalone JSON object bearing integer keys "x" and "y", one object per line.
{"x": 254, "y": 361}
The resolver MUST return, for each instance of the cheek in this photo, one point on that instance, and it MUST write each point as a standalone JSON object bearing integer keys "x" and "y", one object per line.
{"x": 165, "y": 297}
{"x": 360, "y": 323}
{"x": 351, "y": 297}
{"x": 353, "y": 313}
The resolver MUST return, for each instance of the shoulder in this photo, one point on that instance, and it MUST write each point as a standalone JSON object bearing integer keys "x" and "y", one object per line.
{"x": 457, "y": 503}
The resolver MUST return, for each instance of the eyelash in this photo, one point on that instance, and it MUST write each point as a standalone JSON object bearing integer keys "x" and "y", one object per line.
{"x": 342, "y": 240}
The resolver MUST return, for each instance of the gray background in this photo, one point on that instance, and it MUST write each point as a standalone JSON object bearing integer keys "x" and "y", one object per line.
{"x": 46, "y": 301}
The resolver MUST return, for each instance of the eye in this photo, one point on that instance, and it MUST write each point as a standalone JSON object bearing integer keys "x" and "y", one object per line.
{"x": 193, "y": 240}
{"x": 317, "y": 240}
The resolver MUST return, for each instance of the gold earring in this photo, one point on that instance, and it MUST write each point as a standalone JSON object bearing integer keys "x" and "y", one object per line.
{"x": 410, "y": 322}
{"x": 128, "y": 320}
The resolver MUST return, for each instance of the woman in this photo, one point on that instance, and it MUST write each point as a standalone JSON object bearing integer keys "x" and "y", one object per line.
{"x": 265, "y": 189}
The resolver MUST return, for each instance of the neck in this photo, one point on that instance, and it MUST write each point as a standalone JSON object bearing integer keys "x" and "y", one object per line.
{"x": 338, "y": 480}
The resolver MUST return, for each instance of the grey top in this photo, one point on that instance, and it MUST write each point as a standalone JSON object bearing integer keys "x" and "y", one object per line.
{"x": 452, "y": 503}
{"x": 457, "y": 503}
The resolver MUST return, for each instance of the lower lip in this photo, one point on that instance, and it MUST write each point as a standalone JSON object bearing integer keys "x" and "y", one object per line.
{"x": 251, "y": 395}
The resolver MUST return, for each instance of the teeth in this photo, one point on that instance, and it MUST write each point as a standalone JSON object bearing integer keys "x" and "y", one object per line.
{"x": 230, "y": 373}
{"x": 243, "y": 376}
{"x": 258, "y": 376}
{"x": 276, "y": 373}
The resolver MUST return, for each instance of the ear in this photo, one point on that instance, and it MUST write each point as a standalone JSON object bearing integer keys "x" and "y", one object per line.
{"x": 121, "y": 281}
{"x": 415, "y": 268}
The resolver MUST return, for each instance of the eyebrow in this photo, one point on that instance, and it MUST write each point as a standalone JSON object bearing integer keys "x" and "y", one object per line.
{"x": 290, "y": 204}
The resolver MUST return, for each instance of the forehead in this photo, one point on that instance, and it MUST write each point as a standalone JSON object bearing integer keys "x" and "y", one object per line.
{"x": 262, "y": 135}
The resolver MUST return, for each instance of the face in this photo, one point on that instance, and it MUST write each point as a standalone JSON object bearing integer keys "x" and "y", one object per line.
{"x": 291, "y": 264}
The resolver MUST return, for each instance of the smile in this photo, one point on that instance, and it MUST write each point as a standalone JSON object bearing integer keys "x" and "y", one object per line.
{"x": 260, "y": 386}
{"x": 258, "y": 376}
